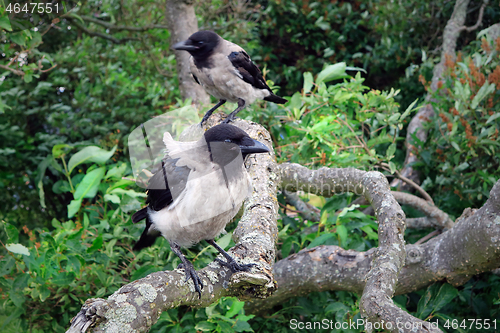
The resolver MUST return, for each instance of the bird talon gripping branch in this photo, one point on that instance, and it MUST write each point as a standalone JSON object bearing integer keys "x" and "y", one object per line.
{"x": 226, "y": 72}
{"x": 198, "y": 189}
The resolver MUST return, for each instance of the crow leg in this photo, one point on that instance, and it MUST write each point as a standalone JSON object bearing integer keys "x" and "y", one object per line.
{"x": 232, "y": 115}
{"x": 209, "y": 112}
{"x": 230, "y": 263}
{"x": 188, "y": 268}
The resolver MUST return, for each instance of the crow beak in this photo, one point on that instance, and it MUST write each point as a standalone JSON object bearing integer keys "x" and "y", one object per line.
{"x": 185, "y": 45}
{"x": 257, "y": 147}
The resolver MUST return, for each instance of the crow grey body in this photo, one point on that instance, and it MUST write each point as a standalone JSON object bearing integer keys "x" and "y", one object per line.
{"x": 197, "y": 191}
{"x": 203, "y": 209}
{"x": 225, "y": 71}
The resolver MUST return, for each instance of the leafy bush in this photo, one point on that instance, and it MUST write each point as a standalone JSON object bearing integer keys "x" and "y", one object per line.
{"x": 461, "y": 157}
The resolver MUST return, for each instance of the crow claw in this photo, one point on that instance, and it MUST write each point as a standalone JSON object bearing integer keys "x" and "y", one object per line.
{"x": 234, "y": 266}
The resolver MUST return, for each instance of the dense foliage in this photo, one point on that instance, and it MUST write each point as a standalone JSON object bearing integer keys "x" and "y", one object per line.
{"x": 65, "y": 175}
{"x": 461, "y": 157}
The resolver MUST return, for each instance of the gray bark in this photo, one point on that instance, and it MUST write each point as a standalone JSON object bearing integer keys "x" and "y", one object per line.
{"x": 182, "y": 23}
{"x": 470, "y": 247}
{"x": 387, "y": 260}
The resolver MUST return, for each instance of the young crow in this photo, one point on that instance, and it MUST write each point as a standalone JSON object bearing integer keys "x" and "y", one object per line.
{"x": 226, "y": 72}
{"x": 197, "y": 191}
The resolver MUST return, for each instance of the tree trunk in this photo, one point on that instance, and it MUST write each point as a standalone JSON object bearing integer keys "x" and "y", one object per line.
{"x": 182, "y": 24}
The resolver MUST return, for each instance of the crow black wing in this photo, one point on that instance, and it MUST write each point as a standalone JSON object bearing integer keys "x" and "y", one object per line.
{"x": 167, "y": 184}
{"x": 248, "y": 70}
{"x": 163, "y": 188}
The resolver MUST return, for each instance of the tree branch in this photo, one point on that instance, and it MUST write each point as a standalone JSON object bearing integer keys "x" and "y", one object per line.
{"x": 469, "y": 248}
{"x": 100, "y": 34}
{"x": 137, "y": 306}
{"x": 111, "y": 26}
{"x": 13, "y": 70}
{"x": 307, "y": 211}
{"x": 479, "y": 18}
{"x": 376, "y": 304}
{"x": 440, "y": 218}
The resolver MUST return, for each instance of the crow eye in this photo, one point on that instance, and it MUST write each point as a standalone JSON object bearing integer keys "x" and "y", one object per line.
{"x": 227, "y": 140}
{"x": 200, "y": 42}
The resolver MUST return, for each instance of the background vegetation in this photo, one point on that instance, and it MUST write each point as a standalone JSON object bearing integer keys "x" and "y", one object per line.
{"x": 66, "y": 193}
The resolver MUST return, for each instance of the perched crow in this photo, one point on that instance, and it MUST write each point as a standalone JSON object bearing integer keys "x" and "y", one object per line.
{"x": 226, "y": 72}
{"x": 197, "y": 191}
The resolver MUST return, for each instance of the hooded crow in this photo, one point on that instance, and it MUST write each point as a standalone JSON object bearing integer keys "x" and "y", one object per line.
{"x": 197, "y": 191}
{"x": 226, "y": 72}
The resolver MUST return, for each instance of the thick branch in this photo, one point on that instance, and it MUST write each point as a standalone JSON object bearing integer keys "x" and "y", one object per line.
{"x": 137, "y": 306}
{"x": 376, "y": 304}
{"x": 182, "y": 23}
{"x": 469, "y": 248}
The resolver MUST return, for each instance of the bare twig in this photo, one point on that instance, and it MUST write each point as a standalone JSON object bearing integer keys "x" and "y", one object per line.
{"x": 111, "y": 26}
{"x": 410, "y": 182}
{"x": 100, "y": 34}
{"x": 427, "y": 237}
{"x": 479, "y": 19}
{"x": 306, "y": 210}
{"x": 440, "y": 218}
{"x": 13, "y": 70}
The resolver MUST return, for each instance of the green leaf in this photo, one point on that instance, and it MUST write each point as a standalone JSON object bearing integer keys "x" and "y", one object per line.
{"x": 205, "y": 326}
{"x": 332, "y": 72}
{"x": 116, "y": 172}
{"x": 445, "y": 295}
{"x": 342, "y": 232}
{"x": 408, "y": 110}
{"x": 5, "y": 23}
{"x": 96, "y": 244}
{"x": 224, "y": 241}
{"x": 308, "y": 82}
{"x": 113, "y": 198}
{"x": 19, "y": 38}
{"x": 455, "y": 145}
{"x": 322, "y": 239}
{"x": 242, "y": 326}
{"x": 390, "y": 151}
{"x": 90, "y": 184}
{"x": 90, "y": 154}
{"x": 143, "y": 272}
{"x": 493, "y": 117}
{"x": 12, "y": 232}
{"x": 28, "y": 77}
{"x": 58, "y": 150}
{"x": 73, "y": 207}
{"x": 485, "y": 90}
{"x": 235, "y": 308}
{"x": 39, "y": 179}
{"x": 44, "y": 293}
{"x": 18, "y": 249}
{"x": 64, "y": 278}
{"x": 392, "y": 167}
